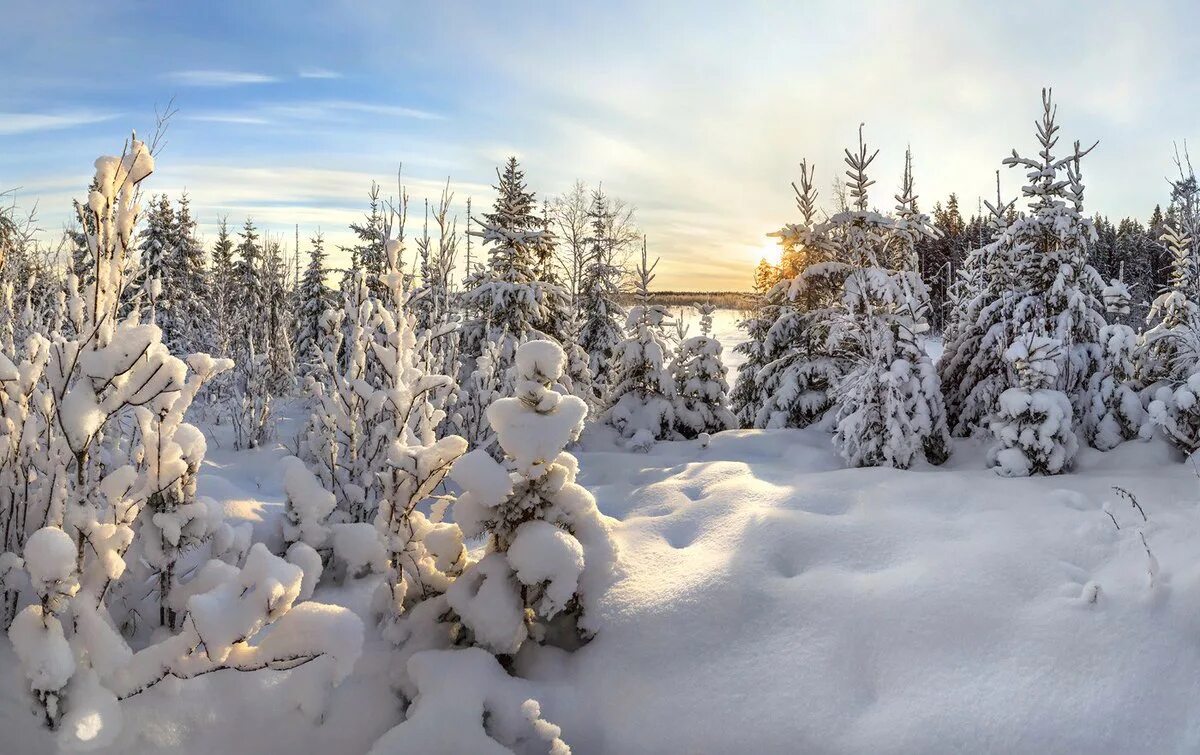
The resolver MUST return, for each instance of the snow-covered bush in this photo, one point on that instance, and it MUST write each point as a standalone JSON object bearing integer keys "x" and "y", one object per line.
{"x": 701, "y": 390}
{"x": 307, "y": 506}
{"x": 642, "y": 393}
{"x": 1175, "y": 409}
{"x": 548, "y": 547}
{"x": 96, "y": 419}
{"x": 1032, "y": 422}
{"x": 467, "y": 703}
{"x": 370, "y": 390}
{"x": 1115, "y": 411}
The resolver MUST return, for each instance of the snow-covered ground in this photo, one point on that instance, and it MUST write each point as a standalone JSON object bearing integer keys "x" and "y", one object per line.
{"x": 769, "y": 600}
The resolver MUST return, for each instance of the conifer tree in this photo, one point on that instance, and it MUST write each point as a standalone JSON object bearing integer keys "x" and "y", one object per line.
{"x": 889, "y": 403}
{"x": 548, "y": 549}
{"x": 313, "y": 299}
{"x": 792, "y": 387}
{"x": 641, "y": 400}
{"x": 1037, "y": 281}
{"x": 599, "y": 289}
{"x": 1168, "y": 360}
{"x": 701, "y": 389}
{"x": 511, "y": 304}
{"x": 1032, "y": 422}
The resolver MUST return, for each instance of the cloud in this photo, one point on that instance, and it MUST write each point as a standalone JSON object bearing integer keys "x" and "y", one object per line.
{"x": 318, "y": 73}
{"x": 209, "y": 78}
{"x": 333, "y": 107}
{"x": 238, "y": 118}
{"x": 24, "y": 123}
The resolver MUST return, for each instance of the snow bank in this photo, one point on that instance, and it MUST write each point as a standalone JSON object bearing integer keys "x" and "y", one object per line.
{"x": 771, "y": 601}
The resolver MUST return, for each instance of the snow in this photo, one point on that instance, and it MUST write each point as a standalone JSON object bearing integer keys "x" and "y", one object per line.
{"x": 766, "y": 600}
{"x": 50, "y": 556}
{"x": 468, "y": 704}
{"x": 42, "y": 648}
{"x": 541, "y": 552}
{"x": 359, "y": 546}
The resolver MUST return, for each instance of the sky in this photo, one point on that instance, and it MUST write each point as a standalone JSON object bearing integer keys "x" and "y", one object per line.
{"x": 696, "y": 113}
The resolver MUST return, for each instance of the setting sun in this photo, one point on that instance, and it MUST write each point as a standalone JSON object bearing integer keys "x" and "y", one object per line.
{"x": 769, "y": 251}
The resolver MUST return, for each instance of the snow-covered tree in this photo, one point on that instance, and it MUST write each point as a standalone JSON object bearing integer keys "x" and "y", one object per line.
{"x": 313, "y": 299}
{"x": 95, "y": 504}
{"x": 1038, "y": 282}
{"x": 548, "y": 548}
{"x": 796, "y": 372}
{"x": 600, "y": 277}
{"x": 509, "y": 301}
{"x": 701, "y": 390}
{"x": 190, "y": 326}
{"x": 641, "y": 398}
{"x": 889, "y": 403}
{"x": 1115, "y": 411}
{"x": 1032, "y": 422}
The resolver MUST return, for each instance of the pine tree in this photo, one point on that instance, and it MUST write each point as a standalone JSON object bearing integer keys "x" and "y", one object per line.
{"x": 641, "y": 400}
{"x": 889, "y": 403}
{"x": 1036, "y": 280}
{"x": 1115, "y": 411}
{"x": 548, "y": 549}
{"x": 157, "y": 265}
{"x": 313, "y": 299}
{"x": 1168, "y": 362}
{"x": 368, "y": 254}
{"x": 511, "y": 304}
{"x": 599, "y": 295}
{"x": 1032, "y": 422}
{"x": 190, "y": 292}
{"x": 792, "y": 387}
{"x": 701, "y": 388}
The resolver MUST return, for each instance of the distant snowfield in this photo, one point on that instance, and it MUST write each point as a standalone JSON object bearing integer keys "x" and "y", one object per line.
{"x": 770, "y": 601}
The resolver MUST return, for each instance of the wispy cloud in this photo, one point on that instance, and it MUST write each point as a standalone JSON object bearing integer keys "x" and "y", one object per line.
{"x": 213, "y": 78}
{"x": 24, "y": 123}
{"x": 318, "y": 73}
{"x": 238, "y": 118}
{"x": 335, "y": 109}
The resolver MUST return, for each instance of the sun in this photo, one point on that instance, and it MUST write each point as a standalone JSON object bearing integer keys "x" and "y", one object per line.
{"x": 771, "y": 251}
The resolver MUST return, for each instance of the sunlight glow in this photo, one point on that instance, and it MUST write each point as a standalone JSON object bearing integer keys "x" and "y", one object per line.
{"x": 770, "y": 251}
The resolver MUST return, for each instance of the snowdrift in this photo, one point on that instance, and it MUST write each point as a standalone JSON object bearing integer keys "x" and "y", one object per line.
{"x": 769, "y": 600}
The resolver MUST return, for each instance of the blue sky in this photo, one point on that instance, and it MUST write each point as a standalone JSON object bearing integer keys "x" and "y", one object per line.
{"x": 697, "y": 113}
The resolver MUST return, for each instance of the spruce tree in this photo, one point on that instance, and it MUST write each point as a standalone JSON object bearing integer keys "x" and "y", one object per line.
{"x": 600, "y": 288}
{"x": 889, "y": 403}
{"x": 1037, "y": 281}
{"x": 313, "y": 299}
{"x": 797, "y": 371}
{"x": 701, "y": 388}
{"x": 641, "y": 400}
{"x": 511, "y": 304}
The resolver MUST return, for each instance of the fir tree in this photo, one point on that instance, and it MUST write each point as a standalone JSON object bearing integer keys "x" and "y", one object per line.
{"x": 1036, "y": 281}
{"x": 600, "y": 287}
{"x": 641, "y": 400}
{"x": 701, "y": 390}
{"x": 313, "y": 299}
